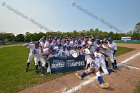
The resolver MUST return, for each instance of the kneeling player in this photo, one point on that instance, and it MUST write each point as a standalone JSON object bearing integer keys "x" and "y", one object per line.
{"x": 94, "y": 68}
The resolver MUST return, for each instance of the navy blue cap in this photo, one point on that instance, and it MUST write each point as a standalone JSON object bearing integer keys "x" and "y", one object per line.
{"x": 75, "y": 46}
{"x": 92, "y": 54}
{"x": 79, "y": 40}
{"x": 86, "y": 36}
{"x": 37, "y": 42}
{"x": 98, "y": 41}
{"x": 110, "y": 39}
{"x": 104, "y": 41}
{"x": 97, "y": 48}
{"x": 43, "y": 38}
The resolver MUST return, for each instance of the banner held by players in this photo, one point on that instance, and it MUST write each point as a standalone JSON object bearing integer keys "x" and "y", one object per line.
{"x": 66, "y": 64}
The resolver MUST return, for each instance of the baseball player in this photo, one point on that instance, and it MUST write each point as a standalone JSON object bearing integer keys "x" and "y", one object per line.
{"x": 87, "y": 53}
{"x": 63, "y": 52}
{"x": 42, "y": 43}
{"x": 112, "y": 46}
{"x": 93, "y": 45}
{"x": 94, "y": 68}
{"x": 34, "y": 53}
{"x": 101, "y": 57}
{"x": 74, "y": 51}
{"x": 105, "y": 50}
{"x": 43, "y": 56}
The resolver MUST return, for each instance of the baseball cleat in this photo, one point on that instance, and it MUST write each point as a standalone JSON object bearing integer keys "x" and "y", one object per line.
{"x": 78, "y": 76}
{"x": 36, "y": 72}
{"x": 104, "y": 86}
{"x": 111, "y": 70}
{"x": 107, "y": 84}
{"x": 42, "y": 74}
{"x": 27, "y": 69}
{"x": 116, "y": 67}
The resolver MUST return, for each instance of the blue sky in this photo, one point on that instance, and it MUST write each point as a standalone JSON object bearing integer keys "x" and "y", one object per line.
{"x": 60, "y": 15}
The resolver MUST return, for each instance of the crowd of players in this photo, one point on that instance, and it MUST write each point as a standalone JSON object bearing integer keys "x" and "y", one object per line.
{"x": 98, "y": 53}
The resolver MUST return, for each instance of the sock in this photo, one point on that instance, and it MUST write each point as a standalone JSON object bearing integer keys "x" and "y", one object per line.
{"x": 39, "y": 63}
{"x": 42, "y": 71}
{"x": 36, "y": 68}
{"x": 100, "y": 80}
{"x": 115, "y": 62}
{"x": 88, "y": 66}
{"x": 83, "y": 74}
{"x": 28, "y": 65}
{"x": 106, "y": 62}
{"x": 113, "y": 65}
{"x": 109, "y": 71}
{"x": 46, "y": 65}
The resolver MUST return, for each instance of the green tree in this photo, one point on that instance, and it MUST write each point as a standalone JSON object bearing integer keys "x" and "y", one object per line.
{"x": 20, "y": 38}
{"x": 7, "y": 38}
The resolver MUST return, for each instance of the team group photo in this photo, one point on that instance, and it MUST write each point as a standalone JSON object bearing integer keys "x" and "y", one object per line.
{"x": 69, "y": 46}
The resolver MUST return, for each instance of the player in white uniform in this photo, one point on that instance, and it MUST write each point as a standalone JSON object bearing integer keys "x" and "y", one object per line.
{"x": 94, "y": 68}
{"x": 112, "y": 47}
{"x": 42, "y": 43}
{"x": 74, "y": 52}
{"x": 80, "y": 52}
{"x": 43, "y": 56}
{"x": 34, "y": 53}
{"x": 101, "y": 57}
{"x": 52, "y": 54}
{"x": 63, "y": 52}
{"x": 93, "y": 45}
{"x": 86, "y": 52}
{"x": 105, "y": 50}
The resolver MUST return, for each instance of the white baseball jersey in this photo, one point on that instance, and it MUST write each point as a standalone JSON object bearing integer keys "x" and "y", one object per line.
{"x": 113, "y": 46}
{"x": 33, "y": 50}
{"x": 46, "y": 44}
{"x": 63, "y": 53}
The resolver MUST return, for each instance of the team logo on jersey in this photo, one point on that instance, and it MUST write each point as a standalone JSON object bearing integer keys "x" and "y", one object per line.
{"x": 98, "y": 56}
{"x": 34, "y": 51}
{"x": 75, "y": 54}
{"x": 93, "y": 64}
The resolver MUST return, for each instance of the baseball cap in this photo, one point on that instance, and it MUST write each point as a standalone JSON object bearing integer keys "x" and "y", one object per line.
{"x": 110, "y": 39}
{"x": 43, "y": 38}
{"x": 104, "y": 41}
{"x": 97, "y": 48}
{"x": 92, "y": 54}
{"x": 37, "y": 42}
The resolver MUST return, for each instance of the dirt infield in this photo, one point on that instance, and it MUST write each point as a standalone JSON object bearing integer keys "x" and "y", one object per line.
{"x": 122, "y": 80}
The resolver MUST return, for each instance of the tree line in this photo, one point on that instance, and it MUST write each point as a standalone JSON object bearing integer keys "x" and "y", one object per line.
{"x": 27, "y": 37}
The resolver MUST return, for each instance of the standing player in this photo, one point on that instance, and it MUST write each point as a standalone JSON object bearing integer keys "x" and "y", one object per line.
{"x": 86, "y": 52}
{"x": 43, "y": 56}
{"x": 34, "y": 53}
{"x": 113, "y": 47}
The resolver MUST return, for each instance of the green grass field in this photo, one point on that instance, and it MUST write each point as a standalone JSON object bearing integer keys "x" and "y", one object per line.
{"x": 137, "y": 90}
{"x": 12, "y": 69}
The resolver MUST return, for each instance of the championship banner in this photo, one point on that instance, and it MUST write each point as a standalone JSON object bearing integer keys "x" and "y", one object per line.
{"x": 67, "y": 64}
